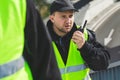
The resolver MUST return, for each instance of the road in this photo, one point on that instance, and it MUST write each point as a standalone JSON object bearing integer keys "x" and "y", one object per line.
{"x": 110, "y": 29}
{"x": 111, "y": 25}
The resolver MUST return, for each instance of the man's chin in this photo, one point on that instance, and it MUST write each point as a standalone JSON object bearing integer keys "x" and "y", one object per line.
{"x": 67, "y": 31}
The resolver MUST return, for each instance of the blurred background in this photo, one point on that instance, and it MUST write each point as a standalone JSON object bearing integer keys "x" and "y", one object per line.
{"x": 43, "y": 5}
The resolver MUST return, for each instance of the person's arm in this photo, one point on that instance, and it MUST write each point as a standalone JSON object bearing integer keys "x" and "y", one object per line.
{"x": 95, "y": 55}
{"x": 38, "y": 50}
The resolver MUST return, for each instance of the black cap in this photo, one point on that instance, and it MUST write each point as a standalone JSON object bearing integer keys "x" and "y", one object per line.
{"x": 61, "y": 5}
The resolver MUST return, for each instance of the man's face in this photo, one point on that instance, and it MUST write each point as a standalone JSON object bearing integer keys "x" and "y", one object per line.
{"x": 62, "y": 22}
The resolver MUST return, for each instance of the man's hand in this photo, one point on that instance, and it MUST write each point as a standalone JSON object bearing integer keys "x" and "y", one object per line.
{"x": 78, "y": 38}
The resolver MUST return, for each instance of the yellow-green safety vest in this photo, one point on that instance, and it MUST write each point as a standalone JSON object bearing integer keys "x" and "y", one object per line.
{"x": 12, "y": 23}
{"x": 75, "y": 68}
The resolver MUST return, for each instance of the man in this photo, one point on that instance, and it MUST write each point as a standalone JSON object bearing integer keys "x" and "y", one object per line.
{"x": 22, "y": 31}
{"x": 76, "y": 50}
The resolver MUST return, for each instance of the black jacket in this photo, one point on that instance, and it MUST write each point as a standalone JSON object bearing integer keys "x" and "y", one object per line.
{"x": 38, "y": 51}
{"x": 94, "y": 54}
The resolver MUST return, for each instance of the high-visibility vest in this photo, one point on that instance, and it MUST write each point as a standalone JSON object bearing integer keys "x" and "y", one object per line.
{"x": 75, "y": 68}
{"x": 12, "y": 23}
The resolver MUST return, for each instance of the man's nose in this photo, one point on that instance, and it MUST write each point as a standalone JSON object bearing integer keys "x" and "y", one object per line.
{"x": 68, "y": 20}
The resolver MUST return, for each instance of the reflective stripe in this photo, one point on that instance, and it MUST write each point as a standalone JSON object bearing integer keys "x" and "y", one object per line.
{"x": 72, "y": 69}
{"x": 11, "y": 67}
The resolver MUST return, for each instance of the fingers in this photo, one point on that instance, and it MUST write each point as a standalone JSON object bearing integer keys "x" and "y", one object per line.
{"x": 78, "y": 38}
{"x": 77, "y": 34}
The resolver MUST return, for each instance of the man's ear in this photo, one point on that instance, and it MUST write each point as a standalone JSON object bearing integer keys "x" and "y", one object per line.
{"x": 51, "y": 17}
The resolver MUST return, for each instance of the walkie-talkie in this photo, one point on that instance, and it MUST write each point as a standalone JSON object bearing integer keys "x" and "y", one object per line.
{"x": 82, "y": 27}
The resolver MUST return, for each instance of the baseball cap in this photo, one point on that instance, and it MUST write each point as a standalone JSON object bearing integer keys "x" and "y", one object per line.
{"x": 61, "y": 5}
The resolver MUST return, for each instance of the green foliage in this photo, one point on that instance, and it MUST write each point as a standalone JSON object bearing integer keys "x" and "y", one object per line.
{"x": 43, "y": 7}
